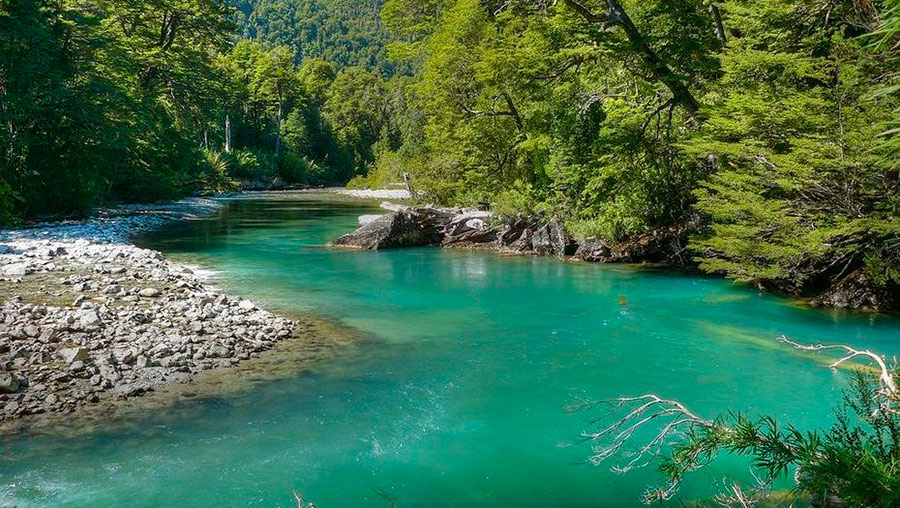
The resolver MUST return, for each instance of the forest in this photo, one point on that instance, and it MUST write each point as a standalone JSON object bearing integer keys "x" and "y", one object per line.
{"x": 770, "y": 121}
{"x": 105, "y": 101}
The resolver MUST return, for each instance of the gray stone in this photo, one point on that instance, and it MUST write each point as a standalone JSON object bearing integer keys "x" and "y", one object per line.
{"x": 8, "y": 383}
{"x": 89, "y": 319}
{"x": 150, "y": 293}
{"x": 15, "y": 270}
{"x": 70, "y": 355}
{"x": 411, "y": 228}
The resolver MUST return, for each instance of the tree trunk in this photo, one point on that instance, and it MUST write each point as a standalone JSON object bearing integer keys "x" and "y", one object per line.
{"x": 616, "y": 16}
{"x": 720, "y": 27}
{"x": 227, "y": 134}
{"x": 278, "y": 123}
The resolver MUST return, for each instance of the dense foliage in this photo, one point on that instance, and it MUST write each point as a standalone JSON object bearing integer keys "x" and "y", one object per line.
{"x": 347, "y": 33}
{"x": 761, "y": 116}
{"x": 118, "y": 100}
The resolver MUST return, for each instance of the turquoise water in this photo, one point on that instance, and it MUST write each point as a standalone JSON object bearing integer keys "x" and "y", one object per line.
{"x": 455, "y": 396}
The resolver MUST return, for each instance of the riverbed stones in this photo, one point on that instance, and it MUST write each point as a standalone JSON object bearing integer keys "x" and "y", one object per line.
{"x": 119, "y": 321}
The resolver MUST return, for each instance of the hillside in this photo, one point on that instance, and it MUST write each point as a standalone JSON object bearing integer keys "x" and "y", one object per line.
{"x": 345, "y": 32}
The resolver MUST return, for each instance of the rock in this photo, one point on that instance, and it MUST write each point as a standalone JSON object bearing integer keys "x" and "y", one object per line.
{"x": 857, "y": 291}
{"x": 418, "y": 227}
{"x": 552, "y": 240}
{"x": 593, "y": 250}
{"x": 15, "y": 270}
{"x": 8, "y": 383}
{"x": 365, "y": 219}
{"x": 109, "y": 371}
{"x": 469, "y": 230}
{"x": 663, "y": 245}
{"x": 88, "y": 319}
{"x": 70, "y": 355}
{"x": 150, "y": 293}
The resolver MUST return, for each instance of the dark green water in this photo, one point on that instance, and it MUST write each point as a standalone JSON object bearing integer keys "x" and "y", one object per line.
{"x": 456, "y": 395}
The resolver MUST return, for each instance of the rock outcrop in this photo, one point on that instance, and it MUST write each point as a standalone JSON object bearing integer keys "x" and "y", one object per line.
{"x": 462, "y": 229}
{"x": 418, "y": 227}
{"x": 857, "y": 291}
{"x": 664, "y": 245}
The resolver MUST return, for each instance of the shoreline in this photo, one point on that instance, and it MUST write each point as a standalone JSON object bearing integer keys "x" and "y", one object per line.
{"x": 88, "y": 319}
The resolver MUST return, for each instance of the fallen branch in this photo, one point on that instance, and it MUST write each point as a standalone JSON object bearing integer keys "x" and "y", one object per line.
{"x": 886, "y": 377}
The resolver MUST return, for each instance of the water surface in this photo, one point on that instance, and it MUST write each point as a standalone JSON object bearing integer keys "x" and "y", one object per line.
{"x": 456, "y": 394}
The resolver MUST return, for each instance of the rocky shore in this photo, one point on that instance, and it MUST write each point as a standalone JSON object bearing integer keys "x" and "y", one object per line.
{"x": 406, "y": 226}
{"x": 474, "y": 229}
{"x": 85, "y": 316}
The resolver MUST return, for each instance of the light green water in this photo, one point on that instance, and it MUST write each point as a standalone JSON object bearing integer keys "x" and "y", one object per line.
{"x": 456, "y": 396}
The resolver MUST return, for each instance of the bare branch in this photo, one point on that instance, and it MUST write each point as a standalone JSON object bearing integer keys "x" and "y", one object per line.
{"x": 886, "y": 377}
{"x": 640, "y": 412}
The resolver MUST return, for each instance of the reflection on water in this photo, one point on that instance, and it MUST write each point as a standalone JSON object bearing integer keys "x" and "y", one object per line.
{"x": 456, "y": 397}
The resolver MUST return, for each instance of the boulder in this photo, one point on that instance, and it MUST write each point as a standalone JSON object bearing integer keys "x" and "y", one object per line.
{"x": 365, "y": 219}
{"x": 15, "y": 270}
{"x": 88, "y": 319}
{"x": 418, "y": 227}
{"x": 471, "y": 229}
{"x": 857, "y": 291}
{"x": 593, "y": 250}
{"x": 662, "y": 245}
{"x": 8, "y": 383}
{"x": 552, "y": 240}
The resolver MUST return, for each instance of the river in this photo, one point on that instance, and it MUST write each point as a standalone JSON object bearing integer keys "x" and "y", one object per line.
{"x": 455, "y": 391}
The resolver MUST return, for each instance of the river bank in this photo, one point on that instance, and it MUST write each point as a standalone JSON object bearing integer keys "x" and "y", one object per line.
{"x": 457, "y": 228}
{"x": 87, "y": 317}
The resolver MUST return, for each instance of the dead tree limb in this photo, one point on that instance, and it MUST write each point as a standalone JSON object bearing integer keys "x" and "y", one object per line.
{"x": 886, "y": 374}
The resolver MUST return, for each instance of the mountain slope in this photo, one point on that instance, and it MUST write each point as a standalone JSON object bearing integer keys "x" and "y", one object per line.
{"x": 345, "y": 32}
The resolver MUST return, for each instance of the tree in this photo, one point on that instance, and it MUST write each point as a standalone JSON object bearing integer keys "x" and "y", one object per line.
{"x": 854, "y": 464}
